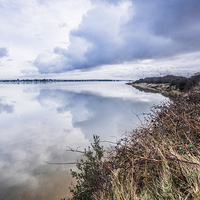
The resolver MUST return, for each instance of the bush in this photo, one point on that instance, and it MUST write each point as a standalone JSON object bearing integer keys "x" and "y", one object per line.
{"x": 91, "y": 175}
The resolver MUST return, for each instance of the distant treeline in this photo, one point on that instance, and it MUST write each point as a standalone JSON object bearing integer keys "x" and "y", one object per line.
{"x": 178, "y": 82}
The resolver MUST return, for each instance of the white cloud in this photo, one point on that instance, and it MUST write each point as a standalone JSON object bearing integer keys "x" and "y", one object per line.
{"x": 32, "y": 27}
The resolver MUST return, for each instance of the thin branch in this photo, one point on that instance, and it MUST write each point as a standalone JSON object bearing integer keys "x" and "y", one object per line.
{"x": 73, "y": 163}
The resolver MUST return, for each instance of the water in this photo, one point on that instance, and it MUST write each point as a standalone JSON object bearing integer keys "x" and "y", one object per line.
{"x": 40, "y": 121}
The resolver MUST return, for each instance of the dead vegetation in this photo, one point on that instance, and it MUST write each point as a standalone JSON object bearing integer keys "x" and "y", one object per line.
{"x": 159, "y": 160}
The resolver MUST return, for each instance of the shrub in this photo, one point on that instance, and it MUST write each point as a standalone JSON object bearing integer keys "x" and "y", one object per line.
{"x": 90, "y": 177}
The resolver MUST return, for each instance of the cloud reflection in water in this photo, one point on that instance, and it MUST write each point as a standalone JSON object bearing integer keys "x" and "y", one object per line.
{"x": 96, "y": 114}
{"x": 6, "y": 107}
{"x": 47, "y": 118}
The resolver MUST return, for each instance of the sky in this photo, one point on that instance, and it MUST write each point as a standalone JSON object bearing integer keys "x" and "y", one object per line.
{"x": 99, "y": 39}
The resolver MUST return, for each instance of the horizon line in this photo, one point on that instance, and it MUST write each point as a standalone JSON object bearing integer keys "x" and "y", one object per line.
{"x": 50, "y": 79}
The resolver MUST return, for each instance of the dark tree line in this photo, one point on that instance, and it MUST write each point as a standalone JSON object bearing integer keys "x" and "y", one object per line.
{"x": 178, "y": 82}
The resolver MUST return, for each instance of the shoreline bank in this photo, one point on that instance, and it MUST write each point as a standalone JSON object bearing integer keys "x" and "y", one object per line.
{"x": 163, "y": 88}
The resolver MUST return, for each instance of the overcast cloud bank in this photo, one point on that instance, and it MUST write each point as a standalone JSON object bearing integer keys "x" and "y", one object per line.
{"x": 125, "y": 31}
{"x": 80, "y": 39}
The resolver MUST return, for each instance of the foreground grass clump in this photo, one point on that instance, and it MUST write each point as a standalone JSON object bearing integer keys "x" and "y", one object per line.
{"x": 159, "y": 160}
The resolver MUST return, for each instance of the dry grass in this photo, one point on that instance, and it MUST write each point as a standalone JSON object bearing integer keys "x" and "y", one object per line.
{"x": 159, "y": 160}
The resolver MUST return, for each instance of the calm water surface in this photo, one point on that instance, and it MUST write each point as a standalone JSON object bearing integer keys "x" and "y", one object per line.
{"x": 39, "y": 121}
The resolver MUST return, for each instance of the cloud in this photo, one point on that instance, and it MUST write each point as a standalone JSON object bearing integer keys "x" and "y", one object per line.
{"x": 124, "y": 31}
{"x": 177, "y": 21}
{"x": 29, "y": 28}
{"x": 3, "y": 52}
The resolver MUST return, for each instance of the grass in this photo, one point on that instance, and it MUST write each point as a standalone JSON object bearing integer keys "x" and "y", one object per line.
{"x": 158, "y": 160}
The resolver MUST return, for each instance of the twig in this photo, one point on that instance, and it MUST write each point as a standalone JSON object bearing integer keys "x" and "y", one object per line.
{"x": 73, "y": 163}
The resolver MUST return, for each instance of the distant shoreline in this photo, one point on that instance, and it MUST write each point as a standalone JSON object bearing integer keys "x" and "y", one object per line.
{"x": 58, "y": 80}
{"x": 170, "y": 86}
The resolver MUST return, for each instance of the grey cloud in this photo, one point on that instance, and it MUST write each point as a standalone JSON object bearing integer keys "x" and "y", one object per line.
{"x": 3, "y": 52}
{"x": 54, "y": 65}
{"x": 176, "y": 20}
{"x": 154, "y": 29}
